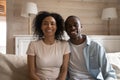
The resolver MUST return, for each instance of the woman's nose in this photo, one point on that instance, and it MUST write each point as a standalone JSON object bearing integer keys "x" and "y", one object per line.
{"x": 49, "y": 25}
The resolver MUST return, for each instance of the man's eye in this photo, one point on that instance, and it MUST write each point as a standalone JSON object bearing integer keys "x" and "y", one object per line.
{"x": 76, "y": 25}
{"x": 68, "y": 25}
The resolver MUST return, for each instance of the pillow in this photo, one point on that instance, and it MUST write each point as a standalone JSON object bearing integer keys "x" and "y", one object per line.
{"x": 114, "y": 59}
{"x": 13, "y": 67}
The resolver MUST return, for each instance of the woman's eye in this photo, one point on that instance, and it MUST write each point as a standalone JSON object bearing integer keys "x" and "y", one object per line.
{"x": 48, "y": 23}
{"x": 45, "y": 23}
{"x": 52, "y": 23}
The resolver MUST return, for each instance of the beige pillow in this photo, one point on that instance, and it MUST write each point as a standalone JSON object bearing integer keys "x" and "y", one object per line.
{"x": 114, "y": 59}
{"x": 13, "y": 67}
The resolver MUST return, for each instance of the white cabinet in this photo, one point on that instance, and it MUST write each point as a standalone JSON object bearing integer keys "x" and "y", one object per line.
{"x": 21, "y": 43}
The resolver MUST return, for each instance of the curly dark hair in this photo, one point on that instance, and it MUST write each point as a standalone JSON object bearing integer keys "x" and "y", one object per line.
{"x": 37, "y": 23}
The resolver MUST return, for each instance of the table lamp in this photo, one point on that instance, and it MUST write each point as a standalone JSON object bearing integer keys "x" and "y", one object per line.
{"x": 109, "y": 14}
{"x": 27, "y": 10}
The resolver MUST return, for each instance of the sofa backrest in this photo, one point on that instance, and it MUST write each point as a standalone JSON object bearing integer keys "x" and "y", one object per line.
{"x": 13, "y": 67}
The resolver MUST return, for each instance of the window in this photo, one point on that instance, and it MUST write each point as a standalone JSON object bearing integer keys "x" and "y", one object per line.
{"x": 3, "y": 26}
{"x": 2, "y": 35}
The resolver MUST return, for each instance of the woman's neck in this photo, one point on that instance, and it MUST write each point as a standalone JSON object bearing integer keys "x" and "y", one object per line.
{"x": 49, "y": 40}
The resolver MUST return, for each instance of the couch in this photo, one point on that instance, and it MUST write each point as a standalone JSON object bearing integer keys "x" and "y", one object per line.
{"x": 14, "y": 67}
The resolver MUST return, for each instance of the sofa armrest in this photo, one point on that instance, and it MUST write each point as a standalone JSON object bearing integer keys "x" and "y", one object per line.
{"x": 13, "y": 67}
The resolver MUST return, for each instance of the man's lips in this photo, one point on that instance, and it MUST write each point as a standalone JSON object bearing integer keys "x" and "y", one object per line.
{"x": 73, "y": 32}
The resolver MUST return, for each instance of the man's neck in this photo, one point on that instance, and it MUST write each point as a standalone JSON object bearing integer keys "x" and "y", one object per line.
{"x": 79, "y": 40}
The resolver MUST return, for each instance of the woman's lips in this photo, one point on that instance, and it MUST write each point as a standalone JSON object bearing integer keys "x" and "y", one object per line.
{"x": 48, "y": 30}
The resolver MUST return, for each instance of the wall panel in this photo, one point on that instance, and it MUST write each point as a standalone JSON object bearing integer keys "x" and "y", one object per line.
{"x": 89, "y": 11}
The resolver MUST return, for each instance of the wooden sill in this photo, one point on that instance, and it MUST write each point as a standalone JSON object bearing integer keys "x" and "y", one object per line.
{"x": 3, "y": 8}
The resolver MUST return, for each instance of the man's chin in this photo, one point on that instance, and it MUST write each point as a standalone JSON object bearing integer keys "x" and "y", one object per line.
{"x": 73, "y": 36}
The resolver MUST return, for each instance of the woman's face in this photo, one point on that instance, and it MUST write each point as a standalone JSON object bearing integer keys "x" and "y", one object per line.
{"x": 49, "y": 26}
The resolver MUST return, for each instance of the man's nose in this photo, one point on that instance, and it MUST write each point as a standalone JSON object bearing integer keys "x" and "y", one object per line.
{"x": 73, "y": 27}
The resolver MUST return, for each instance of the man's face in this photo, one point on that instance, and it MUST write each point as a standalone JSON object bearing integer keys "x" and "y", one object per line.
{"x": 73, "y": 27}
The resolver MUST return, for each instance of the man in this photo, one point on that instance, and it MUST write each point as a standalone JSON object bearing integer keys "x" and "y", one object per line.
{"x": 87, "y": 58}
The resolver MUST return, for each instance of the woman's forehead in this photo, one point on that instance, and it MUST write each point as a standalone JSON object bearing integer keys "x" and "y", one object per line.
{"x": 49, "y": 18}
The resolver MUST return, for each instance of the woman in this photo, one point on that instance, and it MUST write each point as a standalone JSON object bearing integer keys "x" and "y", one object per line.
{"x": 48, "y": 56}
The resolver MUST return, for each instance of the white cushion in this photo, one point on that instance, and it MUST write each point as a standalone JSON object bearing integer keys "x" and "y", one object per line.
{"x": 13, "y": 67}
{"x": 114, "y": 59}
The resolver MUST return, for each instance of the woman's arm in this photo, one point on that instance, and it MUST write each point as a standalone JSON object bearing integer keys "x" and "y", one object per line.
{"x": 31, "y": 68}
{"x": 64, "y": 67}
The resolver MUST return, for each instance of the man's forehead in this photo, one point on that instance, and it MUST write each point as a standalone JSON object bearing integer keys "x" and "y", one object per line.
{"x": 73, "y": 20}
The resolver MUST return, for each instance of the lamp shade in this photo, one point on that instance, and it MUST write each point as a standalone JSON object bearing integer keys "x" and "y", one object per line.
{"x": 29, "y": 8}
{"x": 109, "y": 13}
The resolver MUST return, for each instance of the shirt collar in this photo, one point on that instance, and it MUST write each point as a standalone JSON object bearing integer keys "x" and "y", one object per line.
{"x": 88, "y": 40}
